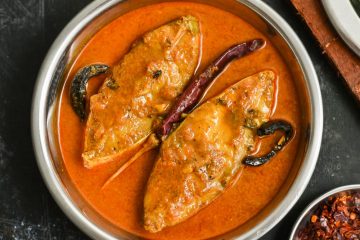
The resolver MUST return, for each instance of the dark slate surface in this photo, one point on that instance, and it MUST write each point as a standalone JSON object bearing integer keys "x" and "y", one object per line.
{"x": 27, "y": 211}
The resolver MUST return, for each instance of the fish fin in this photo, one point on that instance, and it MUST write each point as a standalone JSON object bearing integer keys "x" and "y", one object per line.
{"x": 151, "y": 143}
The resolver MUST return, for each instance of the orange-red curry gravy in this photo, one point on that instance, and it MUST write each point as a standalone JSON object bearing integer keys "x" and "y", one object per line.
{"x": 122, "y": 201}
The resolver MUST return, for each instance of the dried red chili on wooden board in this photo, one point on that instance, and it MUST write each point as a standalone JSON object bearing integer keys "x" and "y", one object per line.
{"x": 338, "y": 218}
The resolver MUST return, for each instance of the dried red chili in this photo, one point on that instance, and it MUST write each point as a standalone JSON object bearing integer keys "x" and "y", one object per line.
{"x": 191, "y": 95}
{"x": 338, "y": 219}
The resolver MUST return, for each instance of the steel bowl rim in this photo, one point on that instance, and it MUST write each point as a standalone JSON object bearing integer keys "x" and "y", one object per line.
{"x": 48, "y": 67}
{"x": 318, "y": 200}
{"x": 346, "y": 25}
{"x": 38, "y": 121}
{"x": 313, "y": 150}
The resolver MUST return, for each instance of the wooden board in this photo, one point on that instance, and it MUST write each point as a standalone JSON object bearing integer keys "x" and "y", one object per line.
{"x": 343, "y": 58}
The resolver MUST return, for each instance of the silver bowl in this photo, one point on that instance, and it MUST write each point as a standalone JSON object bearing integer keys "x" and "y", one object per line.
{"x": 86, "y": 24}
{"x": 310, "y": 209}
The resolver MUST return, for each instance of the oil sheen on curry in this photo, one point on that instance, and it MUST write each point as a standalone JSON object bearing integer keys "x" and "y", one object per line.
{"x": 179, "y": 121}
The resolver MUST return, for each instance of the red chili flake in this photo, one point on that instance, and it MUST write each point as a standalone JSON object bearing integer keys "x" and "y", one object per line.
{"x": 337, "y": 218}
{"x": 314, "y": 218}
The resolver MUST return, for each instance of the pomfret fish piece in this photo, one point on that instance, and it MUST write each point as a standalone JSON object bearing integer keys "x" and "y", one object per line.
{"x": 204, "y": 154}
{"x": 141, "y": 88}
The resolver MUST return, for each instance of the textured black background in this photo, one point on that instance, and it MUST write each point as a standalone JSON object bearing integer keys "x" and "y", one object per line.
{"x": 27, "y": 211}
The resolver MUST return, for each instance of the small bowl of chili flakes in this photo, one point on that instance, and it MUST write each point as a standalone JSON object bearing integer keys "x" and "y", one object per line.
{"x": 333, "y": 215}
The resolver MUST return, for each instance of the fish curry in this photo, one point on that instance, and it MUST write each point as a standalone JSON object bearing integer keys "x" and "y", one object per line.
{"x": 192, "y": 183}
